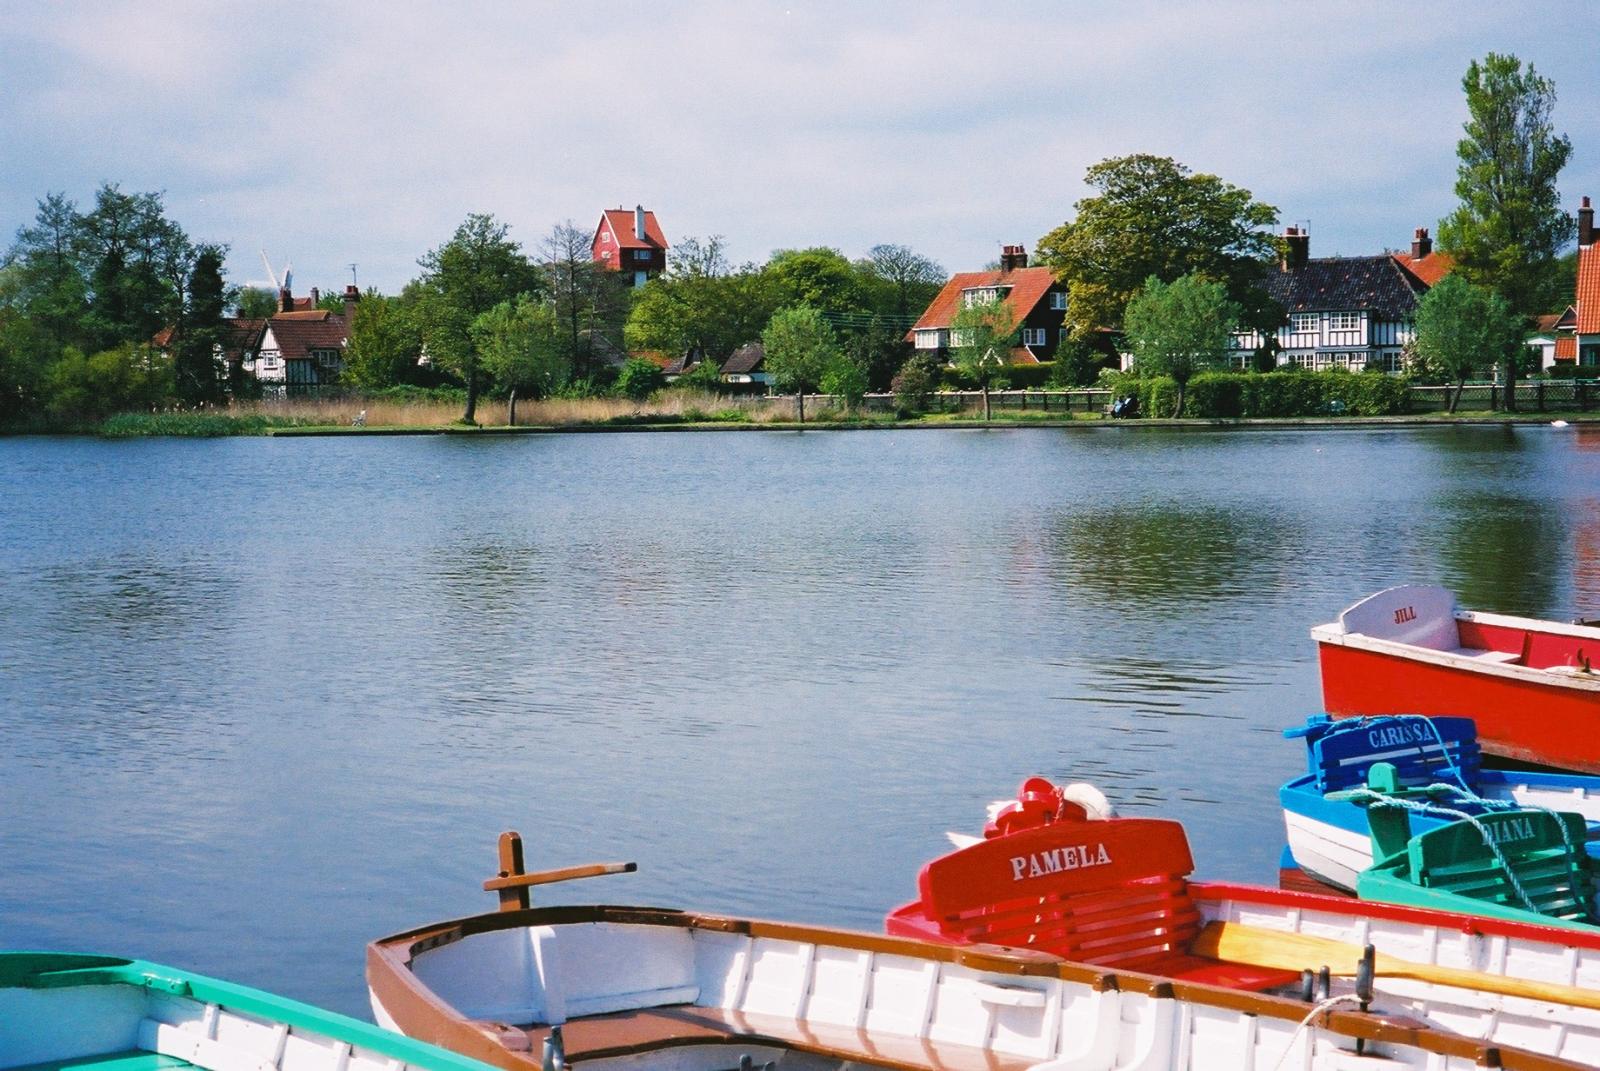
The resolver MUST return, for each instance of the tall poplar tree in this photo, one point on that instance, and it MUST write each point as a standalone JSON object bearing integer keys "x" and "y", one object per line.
{"x": 1509, "y": 228}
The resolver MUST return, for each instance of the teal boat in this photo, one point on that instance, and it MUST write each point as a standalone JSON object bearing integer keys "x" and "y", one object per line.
{"x": 1525, "y": 865}
{"x": 71, "y": 1012}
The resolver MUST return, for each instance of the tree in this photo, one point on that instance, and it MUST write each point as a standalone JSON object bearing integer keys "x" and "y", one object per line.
{"x": 1179, "y": 329}
{"x": 981, "y": 339}
{"x": 573, "y": 280}
{"x": 137, "y": 263}
{"x": 879, "y": 350}
{"x": 639, "y": 379}
{"x": 522, "y": 347}
{"x": 702, "y": 304}
{"x": 800, "y": 349}
{"x": 1461, "y": 328}
{"x": 846, "y": 377}
{"x": 705, "y": 376}
{"x": 477, "y": 269}
{"x": 912, "y": 280}
{"x": 385, "y": 342}
{"x": 1509, "y": 227}
{"x": 255, "y": 303}
{"x": 820, "y": 277}
{"x": 916, "y": 380}
{"x": 202, "y": 335}
{"x": 45, "y": 282}
{"x": 1153, "y": 217}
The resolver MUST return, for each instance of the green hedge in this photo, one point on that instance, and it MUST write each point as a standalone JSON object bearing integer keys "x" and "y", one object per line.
{"x": 1273, "y": 394}
{"x": 1017, "y": 377}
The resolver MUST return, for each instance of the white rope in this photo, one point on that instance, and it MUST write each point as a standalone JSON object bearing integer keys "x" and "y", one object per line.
{"x": 1321, "y": 1008}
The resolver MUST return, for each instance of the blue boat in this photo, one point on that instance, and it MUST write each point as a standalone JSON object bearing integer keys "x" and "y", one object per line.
{"x": 1438, "y": 764}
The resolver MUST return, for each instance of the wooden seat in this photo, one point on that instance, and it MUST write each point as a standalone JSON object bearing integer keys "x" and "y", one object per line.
{"x": 1454, "y": 859}
{"x": 1340, "y": 755}
{"x": 1112, "y": 893}
{"x": 629, "y": 1033}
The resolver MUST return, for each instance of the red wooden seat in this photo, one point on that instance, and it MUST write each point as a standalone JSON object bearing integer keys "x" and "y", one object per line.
{"x": 1113, "y": 893}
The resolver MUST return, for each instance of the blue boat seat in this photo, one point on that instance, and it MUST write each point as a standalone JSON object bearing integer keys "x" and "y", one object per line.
{"x": 1340, "y": 754}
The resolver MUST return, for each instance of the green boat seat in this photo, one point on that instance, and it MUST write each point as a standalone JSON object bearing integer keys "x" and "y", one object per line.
{"x": 1454, "y": 859}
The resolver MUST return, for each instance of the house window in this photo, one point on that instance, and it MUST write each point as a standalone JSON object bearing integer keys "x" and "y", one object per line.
{"x": 1589, "y": 356}
{"x": 641, "y": 254}
{"x": 605, "y": 236}
{"x": 1034, "y": 336}
{"x": 1061, "y": 336}
{"x": 1058, "y": 300}
{"x": 929, "y": 339}
{"x": 1305, "y": 359}
{"x": 983, "y": 295}
{"x": 1303, "y": 322}
{"x": 1344, "y": 321}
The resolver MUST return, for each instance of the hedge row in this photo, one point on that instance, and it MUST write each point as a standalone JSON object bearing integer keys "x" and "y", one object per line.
{"x": 1273, "y": 394}
{"x": 1017, "y": 377}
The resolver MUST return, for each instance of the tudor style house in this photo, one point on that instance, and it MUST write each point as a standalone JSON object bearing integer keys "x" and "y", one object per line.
{"x": 1345, "y": 312}
{"x": 1037, "y": 301}
{"x": 630, "y": 242}
{"x": 1586, "y": 327}
{"x": 302, "y": 346}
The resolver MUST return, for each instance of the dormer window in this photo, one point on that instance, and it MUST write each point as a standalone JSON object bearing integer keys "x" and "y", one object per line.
{"x": 975, "y": 296}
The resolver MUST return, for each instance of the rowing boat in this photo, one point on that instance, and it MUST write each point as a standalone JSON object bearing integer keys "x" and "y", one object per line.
{"x": 1116, "y": 893}
{"x": 620, "y": 988}
{"x": 1437, "y": 762}
{"x": 1529, "y": 684}
{"x": 72, "y": 1012}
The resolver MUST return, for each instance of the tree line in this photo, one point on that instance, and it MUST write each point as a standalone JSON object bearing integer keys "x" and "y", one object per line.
{"x": 1170, "y": 261}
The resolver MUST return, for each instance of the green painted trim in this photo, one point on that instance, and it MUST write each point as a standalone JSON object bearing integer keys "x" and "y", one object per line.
{"x": 49, "y": 970}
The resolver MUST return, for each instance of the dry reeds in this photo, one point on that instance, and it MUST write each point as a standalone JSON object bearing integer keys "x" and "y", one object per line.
{"x": 667, "y": 406}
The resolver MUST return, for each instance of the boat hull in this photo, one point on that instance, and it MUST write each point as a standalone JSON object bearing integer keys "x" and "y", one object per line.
{"x": 1524, "y": 714}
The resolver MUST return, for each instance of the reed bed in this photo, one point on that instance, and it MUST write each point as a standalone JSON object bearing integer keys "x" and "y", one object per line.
{"x": 666, "y": 407}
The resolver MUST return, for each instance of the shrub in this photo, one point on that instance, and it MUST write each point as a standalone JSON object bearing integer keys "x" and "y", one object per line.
{"x": 1226, "y": 395}
{"x": 916, "y": 380}
{"x": 639, "y": 379}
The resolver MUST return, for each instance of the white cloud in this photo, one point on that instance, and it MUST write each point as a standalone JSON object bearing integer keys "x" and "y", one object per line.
{"x": 366, "y": 132}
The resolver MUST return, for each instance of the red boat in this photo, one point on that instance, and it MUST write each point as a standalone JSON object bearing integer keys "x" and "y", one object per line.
{"x": 1528, "y": 684}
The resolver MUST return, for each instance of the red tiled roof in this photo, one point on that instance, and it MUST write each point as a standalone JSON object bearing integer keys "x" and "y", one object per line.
{"x": 1566, "y": 347}
{"x": 1028, "y": 288}
{"x": 297, "y": 334}
{"x": 1543, "y": 325}
{"x": 241, "y": 336}
{"x": 655, "y": 357}
{"x": 1588, "y": 299}
{"x": 1430, "y": 269}
{"x": 621, "y": 220}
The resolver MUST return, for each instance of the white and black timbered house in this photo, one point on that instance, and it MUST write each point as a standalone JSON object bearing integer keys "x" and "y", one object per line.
{"x": 1340, "y": 312}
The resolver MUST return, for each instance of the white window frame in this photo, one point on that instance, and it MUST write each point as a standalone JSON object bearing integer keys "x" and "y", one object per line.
{"x": 1344, "y": 321}
{"x": 1298, "y": 322}
{"x": 1035, "y": 336}
{"x": 1058, "y": 300}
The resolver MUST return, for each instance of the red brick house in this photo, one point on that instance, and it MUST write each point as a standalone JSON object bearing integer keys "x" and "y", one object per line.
{"x": 1038, "y": 303}
{"x": 630, "y": 242}
{"x": 303, "y": 346}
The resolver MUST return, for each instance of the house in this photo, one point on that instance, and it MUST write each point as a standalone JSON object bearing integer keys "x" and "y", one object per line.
{"x": 1038, "y": 302}
{"x": 1586, "y": 325}
{"x": 1553, "y": 340}
{"x": 1344, "y": 312}
{"x": 746, "y": 365}
{"x": 630, "y": 242}
{"x": 1423, "y": 262}
{"x": 303, "y": 347}
{"x": 241, "y": 339}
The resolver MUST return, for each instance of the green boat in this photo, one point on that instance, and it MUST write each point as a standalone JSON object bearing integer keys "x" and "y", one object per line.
{"x": 71, "y": 1012}
{"x": 1523, "y": 865}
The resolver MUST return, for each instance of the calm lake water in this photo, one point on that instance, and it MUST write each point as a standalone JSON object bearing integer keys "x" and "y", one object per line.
{"x": 264, "y": 700}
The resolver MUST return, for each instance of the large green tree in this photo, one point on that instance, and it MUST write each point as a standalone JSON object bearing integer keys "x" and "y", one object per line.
{"x": 137, "y": 262}
{"x": 906, "y": 280}
{"x": 385, "y": 343}
{"x": 524, "y": 348}
{"x": 800, "y": 350}
{"x": 1152, "y": 216}
{"x": 820, "y": 277}
{"x": 1461, "y": 329}
{"x": 478, "y": 268}
{"x": 1508, "y": 230}
{"x": 982, "y": 336}
{"x": 1179, "y": 329}
{"x": 702, "y": 305}
{"x": 201, "y": 336}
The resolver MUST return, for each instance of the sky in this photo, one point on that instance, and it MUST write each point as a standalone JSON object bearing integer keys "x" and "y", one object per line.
{"x": 365, "y": 133}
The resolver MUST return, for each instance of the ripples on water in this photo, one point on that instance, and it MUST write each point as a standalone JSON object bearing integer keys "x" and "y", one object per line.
{"x": 263, "y": 700}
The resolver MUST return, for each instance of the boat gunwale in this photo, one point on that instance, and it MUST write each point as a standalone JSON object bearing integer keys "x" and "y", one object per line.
{"x": 404, "y": 997}
{"x": 1542, "y": 677}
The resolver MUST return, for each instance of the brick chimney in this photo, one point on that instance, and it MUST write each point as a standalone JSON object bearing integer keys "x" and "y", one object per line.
{"x": 638, "y": 222}
{"x": 1296, "y": 248}
{"x": 1421, "y": 244}
{"x": 1013, "y": 257}
{"x": 285, "y": 300}
{"x": 1586, "y": 224}
{"x": 351, "y": 297}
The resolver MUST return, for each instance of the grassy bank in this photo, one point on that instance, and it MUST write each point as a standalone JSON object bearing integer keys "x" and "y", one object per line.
{"x": 668, "y": 411}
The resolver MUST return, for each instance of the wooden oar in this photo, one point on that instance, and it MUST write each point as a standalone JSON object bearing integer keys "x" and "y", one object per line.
{"x": 1238, "y": 943}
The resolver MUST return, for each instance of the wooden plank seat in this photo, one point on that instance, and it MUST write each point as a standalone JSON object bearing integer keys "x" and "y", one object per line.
{"x": 1454, "y": 859}
{"x": 630, "y": 1033}
{"x": 1112, "y": 893}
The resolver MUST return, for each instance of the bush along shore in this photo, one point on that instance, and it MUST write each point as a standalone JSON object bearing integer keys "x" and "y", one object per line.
{"x": 1212, "y": 398}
